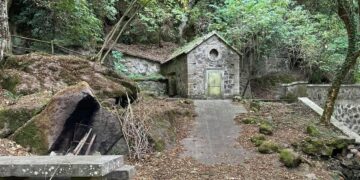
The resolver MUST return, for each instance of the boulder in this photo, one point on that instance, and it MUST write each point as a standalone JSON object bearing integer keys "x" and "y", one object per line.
{"x": 268, "y": 147}
{"x": 290, "y": 158}
{"x": 312, "y": 130}
{"x": 57, "y": 127}
{"x": 14, "y": 116}
{"x": 325, "y": 146}
{"x": 258, "y": 139}
{"x": 266, "y": 128}
{"x": 250, "y": 120}
{"x": 26, "y": 74}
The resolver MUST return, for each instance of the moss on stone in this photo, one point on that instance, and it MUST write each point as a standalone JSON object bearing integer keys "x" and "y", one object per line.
{"x": 31, "y": 136}
{"x": 317, "y": 147}
{"x": 258, "y": 139}
{"x": 312, "y": 130}
{"x": 290, "y": 158}
{"x": 266, "y": 128}
{"x": 15, "y": 118}
{"x": 249, "y": 120}
{"x": 9, "y": 82}
{"x": 255, "y": 105}
{"x": 340, "y": 142}
{"x": 268, "y": 147}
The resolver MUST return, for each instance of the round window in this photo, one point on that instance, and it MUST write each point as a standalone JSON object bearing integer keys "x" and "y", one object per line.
{"x": 214, "y": 54}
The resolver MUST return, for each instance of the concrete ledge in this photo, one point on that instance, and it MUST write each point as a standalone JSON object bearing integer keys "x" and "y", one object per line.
{"x": 333, "y": 121}
{"x": 60, "y": 166}
{"x": 124, "y": 173}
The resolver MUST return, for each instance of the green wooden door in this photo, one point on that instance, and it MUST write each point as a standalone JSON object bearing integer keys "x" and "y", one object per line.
{"x": 214, "y": 83}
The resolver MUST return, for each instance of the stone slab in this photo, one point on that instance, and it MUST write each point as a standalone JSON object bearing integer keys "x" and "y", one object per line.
{"x": 59, "y": 166}
{"x": 333, "y": 121}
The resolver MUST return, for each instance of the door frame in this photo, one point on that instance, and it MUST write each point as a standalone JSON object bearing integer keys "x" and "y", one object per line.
{"x": 207, "y": 84}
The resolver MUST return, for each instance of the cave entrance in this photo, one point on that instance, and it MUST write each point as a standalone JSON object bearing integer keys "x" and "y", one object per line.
{"x": 77, "y": 126}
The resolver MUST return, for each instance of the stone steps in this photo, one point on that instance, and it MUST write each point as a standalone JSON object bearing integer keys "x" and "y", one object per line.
{"x": 98, "y": 167}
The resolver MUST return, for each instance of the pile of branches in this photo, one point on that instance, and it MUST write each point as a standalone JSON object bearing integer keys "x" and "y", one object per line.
{"x": 135, "y": 130}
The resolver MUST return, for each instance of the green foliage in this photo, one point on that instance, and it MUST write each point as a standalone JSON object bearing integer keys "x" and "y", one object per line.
{"x": 118, "y": 62}
{"x": 104, "y": 8}
{"x": 158, "y": 20}
{"x": 267, "y": 26}
{"x": 67, "y": 22}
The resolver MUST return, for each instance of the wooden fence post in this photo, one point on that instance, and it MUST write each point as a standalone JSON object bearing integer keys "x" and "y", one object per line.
{"x": 52, "y": 47}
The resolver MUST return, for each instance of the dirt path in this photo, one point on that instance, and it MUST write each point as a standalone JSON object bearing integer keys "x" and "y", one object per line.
{"x": 213, "y": 138}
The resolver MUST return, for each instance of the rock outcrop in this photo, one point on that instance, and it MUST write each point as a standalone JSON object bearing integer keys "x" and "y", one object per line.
{"x": 57, "y": 126}
{"x": 27, "y": 74}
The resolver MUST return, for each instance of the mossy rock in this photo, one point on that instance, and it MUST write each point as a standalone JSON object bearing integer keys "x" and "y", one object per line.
{"x": 23, "y": 110}
{"x": 32, "y": 136}
{"x": 312, "y": 130}
{"x": 340, "y": 142}
{"x": 266, "y": 128}
{"x": 290, "y": 158}
{"x": 317, "y": 147}
{"x": 61, "y": 71}
{"x": 258, "y": 139}
{"x": 255, "y": 105}
{"x": 268, "y": 147}
{"x": 249, "y": 120}
{"x": 15, "y": 118}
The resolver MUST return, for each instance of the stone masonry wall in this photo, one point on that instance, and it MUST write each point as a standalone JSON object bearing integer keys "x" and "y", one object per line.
{"x": 157, "y": 88}
{"x": 176, "y": 70}
{"x": 140, "y": 66}
{"x": 347, "y": 106}
{"x": 348, "y": 113}
{"x": 318, "y": 93}
{"x": 200, "y": 60}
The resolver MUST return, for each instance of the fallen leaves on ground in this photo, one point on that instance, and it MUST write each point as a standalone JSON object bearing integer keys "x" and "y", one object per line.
{"x": 10, "y": 148}
{"x": 169, "y": 164}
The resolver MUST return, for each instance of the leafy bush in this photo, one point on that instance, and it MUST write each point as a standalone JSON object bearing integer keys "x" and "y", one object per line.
{"x": 118, "y": 62}
{"x": 67, "y": 22}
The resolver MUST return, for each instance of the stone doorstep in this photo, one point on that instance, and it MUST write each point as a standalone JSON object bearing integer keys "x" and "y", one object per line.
{"x": 66, "y": 167}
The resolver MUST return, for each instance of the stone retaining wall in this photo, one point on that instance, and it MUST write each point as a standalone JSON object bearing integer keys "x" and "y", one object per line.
{"x": 156, "y": 87}
{"x": 136, "y": 65}
{"x": 347, "y": 107}
{"x": 318, "y": 92}
{"x": 348, "y": 114}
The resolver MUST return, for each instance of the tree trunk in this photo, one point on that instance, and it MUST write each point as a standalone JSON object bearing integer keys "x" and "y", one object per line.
{"x": 185, "y": 19}
{"x": 4, "y": 29}
{"x": 351, "y": 21}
